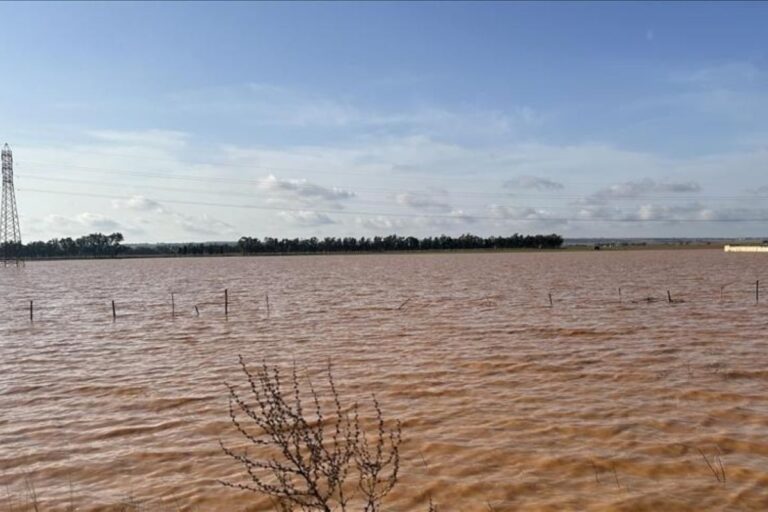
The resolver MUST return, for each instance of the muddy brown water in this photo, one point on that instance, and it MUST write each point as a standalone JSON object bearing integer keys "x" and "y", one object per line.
{"x": 507, "y": 403}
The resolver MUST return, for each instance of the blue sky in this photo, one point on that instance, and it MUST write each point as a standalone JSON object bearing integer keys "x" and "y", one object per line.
{"x": 207, "y": 121}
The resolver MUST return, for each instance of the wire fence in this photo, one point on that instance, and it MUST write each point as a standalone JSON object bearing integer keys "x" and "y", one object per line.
{"x": 227, "y": 303}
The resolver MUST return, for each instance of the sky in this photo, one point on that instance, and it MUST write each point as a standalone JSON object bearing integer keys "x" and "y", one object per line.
{"x": 211, "y": 121}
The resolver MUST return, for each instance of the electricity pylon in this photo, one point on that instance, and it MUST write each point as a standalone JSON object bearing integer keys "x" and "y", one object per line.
{"x": 10, "y": 233}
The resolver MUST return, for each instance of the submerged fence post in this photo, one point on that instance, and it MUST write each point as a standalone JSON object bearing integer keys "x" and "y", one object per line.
{"x": 757, "y": 291}
{"x": 550, "y": 300}
{"x": 197, "y": 311}
{"x": 31, "y": 312}
{"x": 266, "y": 298}
{"x": 620, "y": 301}
{"x": 669, "y": 297}
{"x": 114, "y": 313}
{"x": 173, "y": 307}
{"x": 226, "y": 302}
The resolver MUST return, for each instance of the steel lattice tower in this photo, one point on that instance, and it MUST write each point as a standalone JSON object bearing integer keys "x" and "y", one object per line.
{"x": 10, "y": 233}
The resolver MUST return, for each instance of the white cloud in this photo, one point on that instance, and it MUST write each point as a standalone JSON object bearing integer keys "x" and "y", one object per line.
{"x": 98, "y": 221}
{"x": 422, "y": 201}
{"x": 532, "y": 182}
{"x": 680, "y": 213}
{"x": 204, "y": 225}
{"x": 61, "y": 224}
{"x": 643, "y": 188}
{"x": 520, "y": 213}
{"x": 456, "y": 216}
{"x": 77, "y": 225}
{"x": 468, "y": 178}
{"x": 138, "y": 203}
{"x": 161, "y": 216}
{"x": 305, "y": 218}
{"x": 428, "y": 225}
{"x": 381, "y": 224}
{"x": 303, "y": 189}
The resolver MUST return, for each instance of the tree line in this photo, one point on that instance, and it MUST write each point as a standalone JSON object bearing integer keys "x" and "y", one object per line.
{"x": 103, "y": 246}
{"x": 250, "y": 245}
{"x": 93, "y": 245}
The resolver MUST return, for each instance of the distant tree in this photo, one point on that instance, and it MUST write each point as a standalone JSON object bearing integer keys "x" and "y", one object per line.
{"x": 100, "y": 245}
{"x": 115, "y": 239}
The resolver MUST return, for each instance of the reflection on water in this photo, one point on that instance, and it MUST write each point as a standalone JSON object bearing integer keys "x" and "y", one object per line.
{"x": 602, "y": 401}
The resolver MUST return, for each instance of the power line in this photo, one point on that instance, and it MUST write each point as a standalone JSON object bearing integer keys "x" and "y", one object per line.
{"x": 358, "y": 173}
{"x": 184, "y": 161}
{"x": 250, "y": 195}
{"x": 259, "y": 181}
{"x": 406, "y": 215}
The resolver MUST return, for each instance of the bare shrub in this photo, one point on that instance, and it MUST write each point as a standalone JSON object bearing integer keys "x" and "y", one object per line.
{"x": 310, "y": 456}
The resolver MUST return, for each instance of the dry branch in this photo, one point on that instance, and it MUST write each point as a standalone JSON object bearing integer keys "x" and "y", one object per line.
{"x": 306, "y": 455}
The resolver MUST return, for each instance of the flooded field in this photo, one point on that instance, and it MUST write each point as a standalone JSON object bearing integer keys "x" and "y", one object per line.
{"x": 606, "y": 400}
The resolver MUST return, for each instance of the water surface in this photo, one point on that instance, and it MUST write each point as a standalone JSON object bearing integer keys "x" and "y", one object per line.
{"x": 603, "y": 401}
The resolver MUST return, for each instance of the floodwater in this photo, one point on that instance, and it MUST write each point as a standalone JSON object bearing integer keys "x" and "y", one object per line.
{"x": 603, "y": 401}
